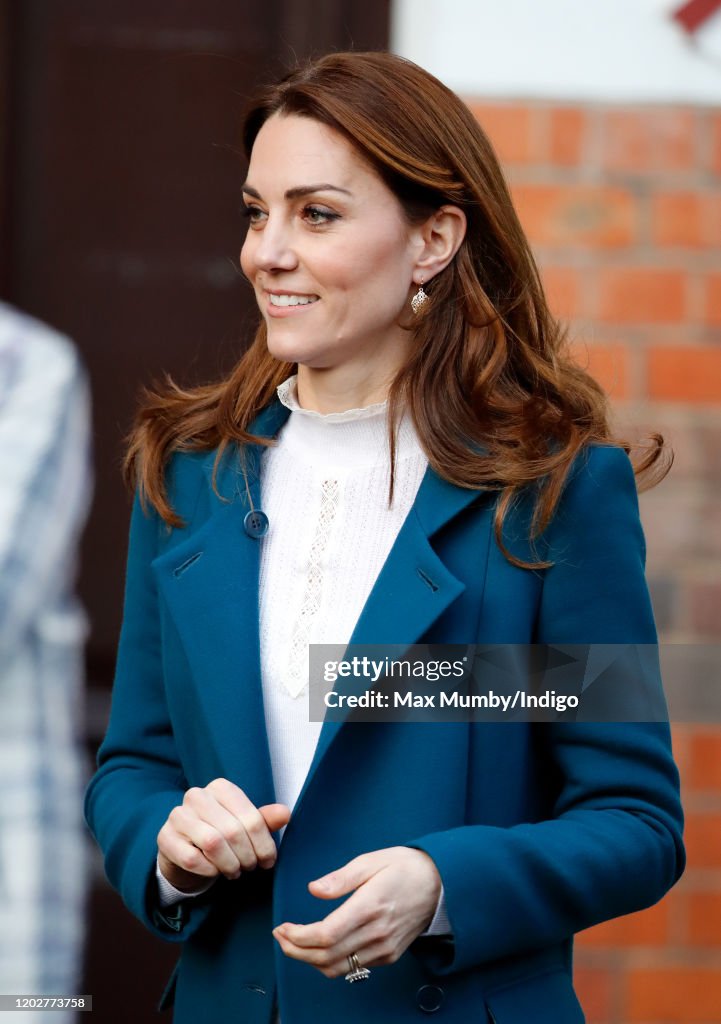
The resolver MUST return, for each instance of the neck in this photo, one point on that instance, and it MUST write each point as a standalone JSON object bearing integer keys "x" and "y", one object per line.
{"x": 337, "y": 389}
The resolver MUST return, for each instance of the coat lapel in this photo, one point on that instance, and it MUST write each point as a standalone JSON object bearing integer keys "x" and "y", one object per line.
{"x": 210, "y": 584}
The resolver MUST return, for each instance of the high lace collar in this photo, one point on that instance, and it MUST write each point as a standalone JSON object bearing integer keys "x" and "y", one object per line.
{"x": 353, "y": 438}
{"x": 288, "y": 395}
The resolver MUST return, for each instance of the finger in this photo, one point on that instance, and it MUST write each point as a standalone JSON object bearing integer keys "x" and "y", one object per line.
{"x": 226, "y": 807}
{"x": 327, "y": 957}
{"x": 253, "y": 843}
{"x": 374, "y": 954}
{"x": 208, "y": 834}
{"x": 230, "y": 796}
{"x": 378, "y": 954}
{"x": 275, "y": 815}
{"x": 359, "y": 910}
{"x": 181, "y": 853}
{"x": 206, "y": 824}
{"x": 349, "y": 877}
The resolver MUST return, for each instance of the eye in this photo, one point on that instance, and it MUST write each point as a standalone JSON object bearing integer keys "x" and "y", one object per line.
{"x": 316, "y": 215}
{"x": 252, "y": 213}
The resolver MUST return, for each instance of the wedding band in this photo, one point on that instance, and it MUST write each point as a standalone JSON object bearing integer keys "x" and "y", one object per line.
{"x": 356, "y": 972}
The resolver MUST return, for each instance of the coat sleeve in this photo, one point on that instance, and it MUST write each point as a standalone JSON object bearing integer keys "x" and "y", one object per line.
{"x": 139, "y": 778}
{"x": 613, "y": 843}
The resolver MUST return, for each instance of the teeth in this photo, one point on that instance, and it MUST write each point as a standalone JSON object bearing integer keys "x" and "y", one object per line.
{"x": 292, "y": 300}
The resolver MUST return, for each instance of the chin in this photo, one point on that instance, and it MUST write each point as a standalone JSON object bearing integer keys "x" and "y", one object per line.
{"x": 289, "y": 350}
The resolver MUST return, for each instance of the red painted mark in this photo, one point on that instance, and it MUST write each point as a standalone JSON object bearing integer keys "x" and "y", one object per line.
{"x": 694, "y": 13}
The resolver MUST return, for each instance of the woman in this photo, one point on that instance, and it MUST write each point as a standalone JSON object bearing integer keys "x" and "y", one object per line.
{"x": 404, "y": 455}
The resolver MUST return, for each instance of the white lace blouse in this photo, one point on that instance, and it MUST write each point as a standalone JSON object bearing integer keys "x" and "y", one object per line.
{"x": 325, "y": 490}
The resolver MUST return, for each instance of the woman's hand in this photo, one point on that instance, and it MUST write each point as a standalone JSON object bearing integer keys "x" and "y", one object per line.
{"x": 217, "y": 831}
{"x": 395, "y": 897}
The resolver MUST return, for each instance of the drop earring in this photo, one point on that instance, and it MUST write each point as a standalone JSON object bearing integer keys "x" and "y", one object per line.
{"x": 419, "y": 299}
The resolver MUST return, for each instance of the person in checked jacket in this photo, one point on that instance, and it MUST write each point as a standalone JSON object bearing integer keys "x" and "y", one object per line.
{"x": 45, "y": 483}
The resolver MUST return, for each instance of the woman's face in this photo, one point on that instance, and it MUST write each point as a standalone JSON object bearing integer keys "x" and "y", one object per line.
{"x": 328, "y": 251}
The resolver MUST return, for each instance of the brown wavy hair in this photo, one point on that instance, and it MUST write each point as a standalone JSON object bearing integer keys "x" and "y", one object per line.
{"x": 496, "y": 399}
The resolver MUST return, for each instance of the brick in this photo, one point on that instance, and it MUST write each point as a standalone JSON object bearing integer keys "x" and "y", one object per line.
{"x": 704, "y": 919}
{"x": 577, "y": 215}
{"x": 567, "y": 134}
{"x": 710, "y": 521}
{"x": 674, "y": 995}
{"x": 703, "y": 840}
{"x": 712, "y": 300}
{"x": 679, "y": 525}
{"x": 715, "y": 142}
{"x": 703, "y": 770}
{"x": 563, "y": 290}
{"x": 627, "y": 144}
{"x": 684, "y": 373}
{"x": 685, "y": 219}
{"x": 645, "y": 928}
{"x": 641, "y": 295}
{"x": 675, "y": 136}
{"x": 607, "y": 363}
{"x": 696, "y": 445}
{"x": 649, "y": 139}
{"x": 509, "y": 129}
{"x": 594, "y": 987}
{"x": 709, "y": 452}
{"x": 705, "y": 609}
{"x": 682, "y": 735}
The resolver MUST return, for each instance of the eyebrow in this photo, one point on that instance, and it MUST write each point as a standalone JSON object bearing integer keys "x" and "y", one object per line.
{"x": 300, "y": 190}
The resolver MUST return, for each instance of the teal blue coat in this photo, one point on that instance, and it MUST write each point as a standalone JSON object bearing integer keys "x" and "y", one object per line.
{"x": 537, "y": 830}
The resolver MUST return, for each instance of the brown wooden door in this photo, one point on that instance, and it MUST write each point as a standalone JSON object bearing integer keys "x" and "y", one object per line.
{"x": 119, "y": 192}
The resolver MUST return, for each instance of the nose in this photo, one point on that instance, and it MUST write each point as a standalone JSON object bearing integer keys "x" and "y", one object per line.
{"x": 273, "y": 249}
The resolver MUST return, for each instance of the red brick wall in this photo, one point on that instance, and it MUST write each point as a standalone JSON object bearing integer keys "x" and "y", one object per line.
{"x": 623, "y": 209}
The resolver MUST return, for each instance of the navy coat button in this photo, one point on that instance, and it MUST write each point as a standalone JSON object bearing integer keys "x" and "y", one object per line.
{"x": 429, "y": 998}
{"x": 255, "y": 523}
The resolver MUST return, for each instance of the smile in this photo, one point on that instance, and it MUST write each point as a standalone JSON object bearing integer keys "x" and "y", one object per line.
{"x": 291, "y": 300}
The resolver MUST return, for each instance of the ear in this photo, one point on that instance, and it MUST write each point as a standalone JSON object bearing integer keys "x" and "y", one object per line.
{"x": 439, "y": 239}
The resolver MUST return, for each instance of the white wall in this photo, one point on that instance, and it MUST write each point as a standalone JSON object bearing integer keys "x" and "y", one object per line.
{"x": 625, "y": 50}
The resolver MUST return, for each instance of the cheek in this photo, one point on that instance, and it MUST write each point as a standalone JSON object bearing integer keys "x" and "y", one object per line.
{"x": 377, "y": 264}
{"x": 384, "y": 261}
